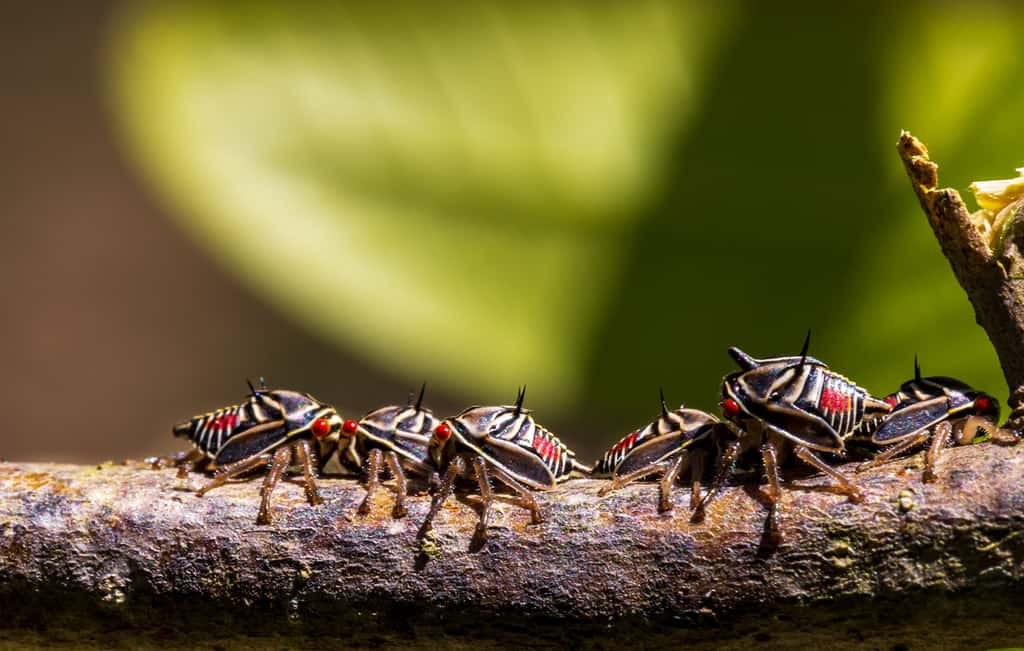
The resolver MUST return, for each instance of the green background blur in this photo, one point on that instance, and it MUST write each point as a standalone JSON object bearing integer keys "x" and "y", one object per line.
{"x": 592, "y": 199}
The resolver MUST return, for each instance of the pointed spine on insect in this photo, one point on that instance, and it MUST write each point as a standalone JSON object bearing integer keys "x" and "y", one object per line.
{"x": 942, "y": 408}
{"x": 797, "y": 404}
{"x": 676, "y": 438}
{"x": 268, "y": 429}
{"x": 503, "y": 441}
{"x": 397, "y": 435}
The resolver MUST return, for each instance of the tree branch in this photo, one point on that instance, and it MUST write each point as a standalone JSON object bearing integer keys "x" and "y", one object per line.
{"x": 87, "y": 552}
{"x": 993, "y": 279}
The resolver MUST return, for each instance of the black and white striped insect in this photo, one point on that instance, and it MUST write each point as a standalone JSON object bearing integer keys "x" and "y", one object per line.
{"x": 505, "y": 442}
{"x": 791, "y": 404}
{"x": 941, "y": 408}
{"x": 396, "y": 435}
{"x": 676, "y": 438}
{"x": 268, "y": 429}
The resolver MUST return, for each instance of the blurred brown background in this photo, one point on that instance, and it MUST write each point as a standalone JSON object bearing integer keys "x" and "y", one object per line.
{"x": 115, "y": 326}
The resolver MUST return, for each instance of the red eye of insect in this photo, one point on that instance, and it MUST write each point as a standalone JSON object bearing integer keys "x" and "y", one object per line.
{"x": 892, "y": 400}
{"x": 443, "y": 431}
{"x": 349, "y": 427}
{"x": 321, "y": 427}
{"x": 730, "y": 408}
{"x": 983, "y": 404}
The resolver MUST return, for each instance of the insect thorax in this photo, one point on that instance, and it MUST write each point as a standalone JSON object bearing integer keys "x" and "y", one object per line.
{"x": 517, "y": 426}
{"x": 690, "y": 421}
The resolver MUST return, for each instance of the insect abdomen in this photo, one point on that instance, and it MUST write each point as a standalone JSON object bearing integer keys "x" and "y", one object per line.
{"x": 208, "y": 432}
{"x": 607, "y": 464}
{"x": 555, "y": 455}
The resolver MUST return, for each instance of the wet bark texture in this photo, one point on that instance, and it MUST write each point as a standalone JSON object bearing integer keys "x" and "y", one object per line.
{"x": 993, "y": 280}
{"x": 123, "y": 554}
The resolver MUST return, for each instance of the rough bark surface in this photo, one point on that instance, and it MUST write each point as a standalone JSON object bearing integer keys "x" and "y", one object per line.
{"x": 126, "y": 555}
{"x": 993, "y": 280}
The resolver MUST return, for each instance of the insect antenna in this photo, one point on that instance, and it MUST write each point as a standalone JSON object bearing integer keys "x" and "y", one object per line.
{"x": 519, "y": 401}
{"x": 917, "y": 369}
{"x": 252, "y": 389}
{"x": 419, "y": 401}
{"x": 664, "y": 407}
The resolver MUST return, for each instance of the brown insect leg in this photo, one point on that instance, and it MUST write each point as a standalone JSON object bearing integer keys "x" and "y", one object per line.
{"x": 455, "y": 468}
{"x": 185, "y": 463}
{"x": 400, "y": 489}
{"x": 851, "y": 489}
{"x": 620, "y": 481}
{"x": 697, "y": 460}
{"x": 725, "y": 465}
{"x": 278, "y": 464}
{"x": 233, "y": 470}
{"x": 667, "y": 481}
{"x": 971, "y": 427}
{"x": 769, "y": 456}
{"x": 942, "y": 433}
{"x": 486, "y": 496}
{"x": 525, "y": 500}
{"x": 307, "y": 458}
{"x": 896, "y": 450}
{"x": 373, "y": 479}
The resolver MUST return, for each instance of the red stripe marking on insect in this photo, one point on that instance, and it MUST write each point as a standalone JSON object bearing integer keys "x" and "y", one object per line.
{"x": 832, "y": 400}
{"x": 227, "y": 421}
{"x": 627, "y": 442}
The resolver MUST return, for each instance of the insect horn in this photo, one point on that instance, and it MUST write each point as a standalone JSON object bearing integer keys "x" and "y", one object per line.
{"x": 803, "y": 351}
{"x": 745, "y": 361}
{"x": 917, "y": 369}
{"x": 664, "y": 407}
{"x": 419, "y": 400}
{"x": 519, "y": 401}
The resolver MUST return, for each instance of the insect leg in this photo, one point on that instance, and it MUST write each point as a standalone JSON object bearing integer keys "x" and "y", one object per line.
{"x": 183, "y": 461}
{"x": 455, "y": 468}
{"x": 667, "y": 480}
{"x": 894, "y": 451}
{"x": 976, "y": 425}
{"x": 304, "y": 451}
{"x": 233, "y": 470}
{"x": 769, "y": 456}
{"x": 525, "y": 500}
{"x": 621, "y": 481}
{"x": 725, "y": 466}
{"x": 486, "y": 496}
{"x": 373, "y": 479}
{"x": 697, "y": 460}
{"x": 939, "y": 440}
{"x": 396, "y": 469}
{"x": 278, "y": 464}
{"x": 848, "y": 487}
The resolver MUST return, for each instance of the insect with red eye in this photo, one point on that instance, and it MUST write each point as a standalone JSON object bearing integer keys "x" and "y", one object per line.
{"x": 942, "y": 408}
{"x": 505, "y": 442}
{"x": 786, "y": 405}
{"x": 396, "y": 435}
{"x": 269, "y": 429}
{"x": 674, "y": 439}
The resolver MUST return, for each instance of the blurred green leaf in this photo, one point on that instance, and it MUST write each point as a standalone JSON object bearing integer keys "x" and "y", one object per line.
{"x": 591, "y": 198}
{"x": 443, "y": 187}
